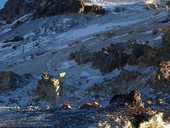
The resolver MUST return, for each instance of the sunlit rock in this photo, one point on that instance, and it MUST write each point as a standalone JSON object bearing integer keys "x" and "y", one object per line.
{"x": 49, "y": 87}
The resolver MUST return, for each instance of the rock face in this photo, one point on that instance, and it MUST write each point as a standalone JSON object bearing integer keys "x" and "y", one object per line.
{"x": 110, "y": 58}
{"x": 132, "y": 100}
{"x": 143, "y": 54}
{"x": 81, "y": 56}
{"x": 94, "y": 9}
{"x": 162, "y": 77}
{"x": 14, "y": 9}
{"x": 17, "y": 8}
{"x": 166, "y": 39}
{"x": 9, "y": 81}
{"x": 53, "y": 7}
{"x": 49, "y": 88}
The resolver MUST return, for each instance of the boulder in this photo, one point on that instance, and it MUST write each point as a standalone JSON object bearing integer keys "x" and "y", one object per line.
{"x": 9, "y": 81}
{"x": 94, "y": 9}
{"x": 14, "y": 9}
{"x": 53, "y": 7}
{"x": 131, "y": 100}
{"x": 143, "y": 54}
{"x": 50, "y": 87}
{"x": 164, "y": 71}
{"x": 109, "y": 58}
{"x": 161, "y": 80}
{"x": 81, "y": 56}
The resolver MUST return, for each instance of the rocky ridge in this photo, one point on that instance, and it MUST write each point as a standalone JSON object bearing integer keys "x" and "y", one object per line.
{"x": 15, "y": 9}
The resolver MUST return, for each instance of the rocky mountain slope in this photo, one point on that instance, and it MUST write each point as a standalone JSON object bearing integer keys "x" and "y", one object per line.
{"x": 89, "y": 55}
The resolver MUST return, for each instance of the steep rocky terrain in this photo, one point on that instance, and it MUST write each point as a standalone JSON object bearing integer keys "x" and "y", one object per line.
{"x": 15, "y": 9}
{"x": 84, "y": 64}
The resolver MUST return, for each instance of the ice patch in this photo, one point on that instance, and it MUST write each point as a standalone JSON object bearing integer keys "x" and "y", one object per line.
{"x": 158, "y": 37}
{"x": 29, "y": 35}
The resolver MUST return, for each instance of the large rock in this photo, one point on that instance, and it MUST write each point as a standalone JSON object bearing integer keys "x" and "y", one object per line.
{"x": 166, "y": 39}
{"x": 94, "y": 9}
{"x": 54, "y": 7}
{"x": 81, "y": 56}
{"x": 110, "y": 58}
{"x": 50, "y": 88}
{"x": 143, "y": 54}
{"x": 14, "y": 9}
{"x": 162, "y": 77}
{"x": 9, "y": 81}
{"x": 132, "y": 100}
{"x": 164, "y": 71}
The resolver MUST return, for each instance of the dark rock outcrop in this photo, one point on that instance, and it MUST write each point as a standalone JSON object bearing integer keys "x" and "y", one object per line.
{"x": 162, "y": 77}
{"x": 94, "y": 9}
{"x": 9, "y": 81}
{"x": 14, "y": 9}
{"x": 81, "y": 56}
{"x": 53, "y": 7}
{"x": 132, "y": 100}
{"x": 143, "y": 54}
{"x": 164, "y": 71}
{"x": 110, "y": 58}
